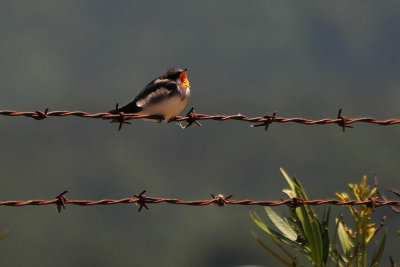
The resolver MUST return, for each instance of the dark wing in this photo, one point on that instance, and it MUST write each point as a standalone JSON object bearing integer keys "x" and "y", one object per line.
{"x": 157, "y": 92}
{"x": 153, "y": 93}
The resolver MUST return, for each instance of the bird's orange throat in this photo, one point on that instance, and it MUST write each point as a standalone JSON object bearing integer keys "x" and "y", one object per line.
{"x": 184, "y": 79}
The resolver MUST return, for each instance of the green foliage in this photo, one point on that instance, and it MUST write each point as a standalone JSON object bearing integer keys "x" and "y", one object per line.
{"x": 364, "y": 231}
{"x": 305, "y": 233}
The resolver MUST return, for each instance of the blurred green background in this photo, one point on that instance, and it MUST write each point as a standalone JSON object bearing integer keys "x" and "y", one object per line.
{"x": 302, "y": 59}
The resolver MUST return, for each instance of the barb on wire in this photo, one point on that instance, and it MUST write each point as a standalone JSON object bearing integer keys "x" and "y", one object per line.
{"x": 191, "y": 118}
{"x": 395, "y": 191}
{"x": 344, "y": 122}
{"x": 269, "y": 120}
{"x": 142, "y": 200}
{"x": 61, "y": 201}
{"x": 194, "y": 117}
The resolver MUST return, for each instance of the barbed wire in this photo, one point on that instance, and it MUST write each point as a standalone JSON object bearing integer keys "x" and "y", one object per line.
{"x": 193, "y": 117}
{"x": 218, "y": 200}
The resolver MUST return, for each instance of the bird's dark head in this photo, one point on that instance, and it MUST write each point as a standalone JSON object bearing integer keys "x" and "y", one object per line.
{"x": 177, "y": 74}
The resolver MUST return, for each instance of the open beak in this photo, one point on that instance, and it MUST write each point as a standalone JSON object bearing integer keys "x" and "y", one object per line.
{"x": 183, "y": 78}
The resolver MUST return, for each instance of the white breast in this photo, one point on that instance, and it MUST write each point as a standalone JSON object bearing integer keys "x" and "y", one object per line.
{"x": 170, "y": 107}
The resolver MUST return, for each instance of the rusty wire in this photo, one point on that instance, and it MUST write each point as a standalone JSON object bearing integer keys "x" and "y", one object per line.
{"x": 218, "y": 200}
{"x": 193, "y": 117}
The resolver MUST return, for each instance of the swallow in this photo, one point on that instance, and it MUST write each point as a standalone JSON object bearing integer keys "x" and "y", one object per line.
{"x": 163, "y": 98}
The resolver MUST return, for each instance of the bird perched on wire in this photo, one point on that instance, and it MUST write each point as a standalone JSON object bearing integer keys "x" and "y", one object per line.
{"x": 163, "y": 98}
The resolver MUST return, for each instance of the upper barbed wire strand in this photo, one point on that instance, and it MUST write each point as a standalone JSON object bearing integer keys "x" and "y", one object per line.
{"x": 193, "y": 117}
{"x": 218, "y": 200}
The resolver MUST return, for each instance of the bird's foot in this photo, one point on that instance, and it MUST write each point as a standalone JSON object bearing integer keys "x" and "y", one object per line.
{"x": 157, "y": 118}
{"x": 172, "y": 119}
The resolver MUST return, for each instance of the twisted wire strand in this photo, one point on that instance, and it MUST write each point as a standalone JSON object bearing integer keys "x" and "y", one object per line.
{"x": 219, "y": 200}
{"x": 193, "y": 117}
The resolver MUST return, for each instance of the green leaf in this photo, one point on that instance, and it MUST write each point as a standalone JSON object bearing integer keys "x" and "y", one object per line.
{"x": 308, "y": 221}
{"x": 378, "y": 252}
{"x": 3, "y": 234}
{"x": 311, "y": 226}
{"x": 254, "y": 216}
{"x": 344, "y": 239}
{"x": 270, "y": 251}
{"x": 312, "y": 233}
{"x": 281, "y": 224}
{"x": 299, "y": 189}
{"x": 277, "y": 236}
{"x": 288, "y": 180}
{"x": 335, "y": 255}
{"x": 338, "y": 259}
{"x": 325, "y": 235}
{"x": 289, "y": 192}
